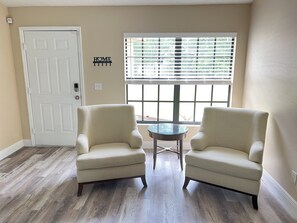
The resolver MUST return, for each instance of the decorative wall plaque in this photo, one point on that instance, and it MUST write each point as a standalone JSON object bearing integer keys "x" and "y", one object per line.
{"x": 102, "y": 60}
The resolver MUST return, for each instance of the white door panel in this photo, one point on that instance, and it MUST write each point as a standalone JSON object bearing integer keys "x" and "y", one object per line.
{"x": 53, "y": 68}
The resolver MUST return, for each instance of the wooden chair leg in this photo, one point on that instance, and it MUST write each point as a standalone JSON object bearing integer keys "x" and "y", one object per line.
{"x": 255, "y": 201}
{"x": 187, "y": 180}
{"x": 80, "y": 188}
{"x": 143, "y": 181}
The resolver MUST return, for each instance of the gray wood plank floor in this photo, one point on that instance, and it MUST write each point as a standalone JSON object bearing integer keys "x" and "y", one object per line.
{"x": 39, "y": 185}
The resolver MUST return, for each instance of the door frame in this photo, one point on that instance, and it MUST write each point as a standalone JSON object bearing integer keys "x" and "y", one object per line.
{"x": 26, "y": 72}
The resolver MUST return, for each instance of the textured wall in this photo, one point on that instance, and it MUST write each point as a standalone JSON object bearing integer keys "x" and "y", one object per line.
{"x": 271, "y": 80}
{"x": 10, "y": 123}
{"x": 102, "y": 35}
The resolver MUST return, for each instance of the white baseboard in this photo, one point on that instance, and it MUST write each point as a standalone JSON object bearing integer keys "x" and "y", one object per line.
{"x": 15, "y": 147}
{"x": 147, "y": 144}
{"x": 11, "y": 149}
{"x": 27, "y": 142}
{"x": 282, "y": 196}
{"x": 150, "y": 145}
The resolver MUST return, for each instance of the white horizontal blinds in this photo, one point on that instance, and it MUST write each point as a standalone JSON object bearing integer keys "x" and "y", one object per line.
{"x": 179, "y": 59}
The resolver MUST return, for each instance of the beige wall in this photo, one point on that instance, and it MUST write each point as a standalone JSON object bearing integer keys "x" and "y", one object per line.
{"x": 10, "y": 123}
{"x": 271, "y": 83}
{"x": 102, "y": 35}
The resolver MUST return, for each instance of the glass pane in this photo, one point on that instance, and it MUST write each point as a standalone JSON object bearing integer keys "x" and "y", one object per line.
{"x": 224, "y": 57}
{"x": 166, "y": 111}
{"x": 187, "y": 92}
{"x": 199, "y": 111}
{"x": 150, "y": 57}
{"x": 206, "y": 53}
{"x": 150, "y": 111}
{"x": 220, "y": 92}
{"x": 167, "y": 55}
{"x": 196, "y": 56}
{"x": 134, "y": 92}
{"x": 151, "y": 92}
{"x": 138, "y": 110}
{"x": 203, "y": 93}
{"x": 189, "y": 55}
{"x": 186, "y": 112}
{"x": 166, "y": 92}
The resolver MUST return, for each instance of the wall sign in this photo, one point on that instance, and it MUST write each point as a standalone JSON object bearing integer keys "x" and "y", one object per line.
{"x": 102, "y": 60}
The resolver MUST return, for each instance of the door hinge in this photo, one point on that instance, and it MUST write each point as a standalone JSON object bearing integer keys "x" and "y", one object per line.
{"x": 29, "y": 90}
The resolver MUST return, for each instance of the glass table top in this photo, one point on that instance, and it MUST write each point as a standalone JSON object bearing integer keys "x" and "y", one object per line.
{"x": 167, "y": 129}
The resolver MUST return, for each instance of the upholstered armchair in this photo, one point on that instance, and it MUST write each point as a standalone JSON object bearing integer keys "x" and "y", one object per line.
{"x": 108, "y": 145}
{"x": 228, "y": 149}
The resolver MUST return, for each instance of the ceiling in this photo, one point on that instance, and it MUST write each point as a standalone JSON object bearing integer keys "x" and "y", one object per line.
{"x": 20, "y": 3}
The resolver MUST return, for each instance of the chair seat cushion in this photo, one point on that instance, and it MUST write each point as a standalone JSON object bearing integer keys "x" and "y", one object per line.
{"x": 110, "y": 155}
{"x": 225, "y": 161}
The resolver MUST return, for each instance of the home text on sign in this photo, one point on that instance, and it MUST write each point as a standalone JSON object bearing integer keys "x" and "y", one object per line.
{"x": 102, "y": 60}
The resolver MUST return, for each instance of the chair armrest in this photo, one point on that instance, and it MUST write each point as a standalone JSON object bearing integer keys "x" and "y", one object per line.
{"x": 135, "y": 139}
{"x": 82, "y": 144}
{"x": 199, "y": 141}
{"x": 256, "y": 152}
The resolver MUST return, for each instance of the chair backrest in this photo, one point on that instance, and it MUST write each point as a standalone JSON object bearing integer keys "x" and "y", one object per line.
{"x": 106, "y": 123}
{"x": 235, "y": 128}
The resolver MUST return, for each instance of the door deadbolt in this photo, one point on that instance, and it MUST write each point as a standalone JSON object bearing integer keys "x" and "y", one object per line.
{"x": 76, "y": 87}
{"x": 76, "y": 97}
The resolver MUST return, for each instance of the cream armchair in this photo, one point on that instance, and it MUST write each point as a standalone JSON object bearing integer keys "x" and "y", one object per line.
{"x": 108, "y": 145}
{"x": 228, "y": 150}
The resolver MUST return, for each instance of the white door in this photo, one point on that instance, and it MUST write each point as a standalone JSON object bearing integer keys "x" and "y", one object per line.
{"x": 53, "y": 70}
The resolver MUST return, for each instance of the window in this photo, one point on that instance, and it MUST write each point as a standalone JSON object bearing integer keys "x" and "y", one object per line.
{"x": 172, "y": 77}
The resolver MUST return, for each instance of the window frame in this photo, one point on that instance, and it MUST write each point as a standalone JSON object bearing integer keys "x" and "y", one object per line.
{"x": 176, "y": 104}
{"x": 178, "y": 82}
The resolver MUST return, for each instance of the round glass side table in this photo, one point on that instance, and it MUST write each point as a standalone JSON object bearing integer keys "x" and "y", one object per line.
{"x": 168, "y": 132}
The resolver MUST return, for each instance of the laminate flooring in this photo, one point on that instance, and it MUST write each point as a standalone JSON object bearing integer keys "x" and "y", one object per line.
{"x": 39, "y": 185}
